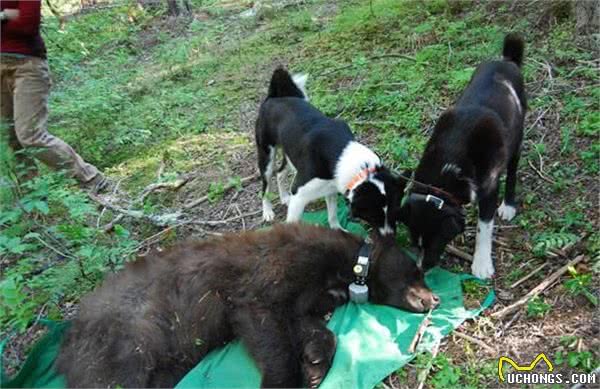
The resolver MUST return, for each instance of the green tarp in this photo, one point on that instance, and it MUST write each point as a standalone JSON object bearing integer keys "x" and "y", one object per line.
{"x": 372, "y": 343}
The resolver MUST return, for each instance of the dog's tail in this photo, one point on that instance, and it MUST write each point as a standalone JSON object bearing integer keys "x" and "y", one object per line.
{"x": 284, "y": 85}
{"x": 513, "y": 48}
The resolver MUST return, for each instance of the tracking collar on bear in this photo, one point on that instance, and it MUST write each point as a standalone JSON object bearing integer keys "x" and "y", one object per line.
{"x": 358, "y": 289}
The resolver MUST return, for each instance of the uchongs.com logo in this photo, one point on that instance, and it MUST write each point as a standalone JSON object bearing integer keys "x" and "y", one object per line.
{"x": 524, "y": 374}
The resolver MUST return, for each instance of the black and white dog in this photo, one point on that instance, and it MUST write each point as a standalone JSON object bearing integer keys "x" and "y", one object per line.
{"x": 326, "y": 158}
{"x": 472, "y": 143}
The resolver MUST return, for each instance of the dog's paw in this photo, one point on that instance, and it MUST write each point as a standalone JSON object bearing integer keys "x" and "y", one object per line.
{"x": 285, "y": 198}
{"x": 482, "y": 267}
{"x": 506, "y": 212}
{"x": 268, "y": 214}
{"x": 317, "y": 358}
{"x": 337, "y": 226}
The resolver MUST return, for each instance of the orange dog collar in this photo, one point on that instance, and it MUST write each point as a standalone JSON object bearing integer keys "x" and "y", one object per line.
{"x": 360, "y": 177}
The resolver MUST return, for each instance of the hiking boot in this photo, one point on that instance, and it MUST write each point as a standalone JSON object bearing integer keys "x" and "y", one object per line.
{"x": 100, "y": 184}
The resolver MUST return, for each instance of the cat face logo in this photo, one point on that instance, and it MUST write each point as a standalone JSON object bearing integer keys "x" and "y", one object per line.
{"x": 517, "y": 367}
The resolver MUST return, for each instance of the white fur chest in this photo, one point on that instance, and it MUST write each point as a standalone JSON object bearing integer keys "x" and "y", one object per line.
{"x": 354, "y": 158}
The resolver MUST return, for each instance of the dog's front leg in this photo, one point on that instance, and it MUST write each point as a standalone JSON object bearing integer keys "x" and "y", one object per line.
{"x": 483, "y": 267}
{"x": 313, "y": 189}
{"x": 331, "y": 201}
{"x": 508, "y": 209}
{"x": 296, "y": 208}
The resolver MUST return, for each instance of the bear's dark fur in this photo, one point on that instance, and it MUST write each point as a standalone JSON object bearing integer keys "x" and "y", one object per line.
{"x": 149, "y": 324}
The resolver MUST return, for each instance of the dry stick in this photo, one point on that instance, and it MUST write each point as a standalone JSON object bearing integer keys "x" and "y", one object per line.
{"x": 173, "y": 185}
{"x": 511, "y": 321}
{"x": 151, "y": 238}
{"x": 161, "y": 169}
{"x": 527, "y": 263}
{"x": 159, "y": 220}
{"x": 459, "y": 253}
{"x": 537, "y": 290}
{"x": 528, "y": 276}
{"x": 116, "y": 208}
{"x": 115, "y": 189}
{"x": 109, "y": 226}
{"x": 434, "y": 353}
{"x": 79, "y": 262}
{"x": 502, "y": 330}
{"x": 478, "y": 342}
{"x": 537, "y": 120}
{"x": 227, "y": 187}
{"x": 221, "y": 222}
{"x": 419, "y": 333}
{"x": 404, "y": 56}
{"x": 539, "y": 173}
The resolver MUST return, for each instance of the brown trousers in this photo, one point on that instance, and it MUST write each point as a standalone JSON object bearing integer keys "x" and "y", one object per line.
{"x": 25, "y": 86}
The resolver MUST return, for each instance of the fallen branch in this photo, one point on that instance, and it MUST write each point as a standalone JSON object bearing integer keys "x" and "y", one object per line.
{"x": 230, "y": 186}
{"x": 225, "y": 221}
{"x": 459, "y": 253}
{"x": 403, "y": 56}
{"x": 420, "y": 331}
{"x": 502, "y": 330}
{"x": 528, "y": 276}
{"x": 159, "y": 220}
{"x": 79, "y": 261}
{"x": 478, "y": 342}
{"x": 540, "y": 174}
{"x": 172, "y": 185}
{"x": 537, "y": 120}
{"x": 110, "y": 225}
{"x": 512, "y": 320}
{"x": 537, "y": 290}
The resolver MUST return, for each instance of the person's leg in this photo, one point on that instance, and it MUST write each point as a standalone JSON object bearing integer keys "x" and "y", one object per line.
{"x": 31, "y": 89}
{"x": 25, "y": 163}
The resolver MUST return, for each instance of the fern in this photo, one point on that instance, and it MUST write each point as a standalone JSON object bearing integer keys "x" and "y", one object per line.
{"x": 546, "y": 241}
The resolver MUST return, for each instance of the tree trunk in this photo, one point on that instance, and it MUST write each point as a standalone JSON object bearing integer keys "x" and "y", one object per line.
{"x": 61, "y": 19}
{"x": 587, "y": 14}
{"x": 149, "y": 4}
{"x": 173, "y": 7}
{"x": 179, "y": 7}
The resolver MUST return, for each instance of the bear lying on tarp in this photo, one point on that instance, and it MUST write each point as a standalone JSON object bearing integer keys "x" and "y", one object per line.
{"x": 147, "y": 325}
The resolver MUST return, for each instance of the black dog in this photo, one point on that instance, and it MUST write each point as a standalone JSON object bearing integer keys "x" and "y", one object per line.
{"x": 152, "y": 322}
{"x": 325, "y": 156}
{"x": 472, "y": 143}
